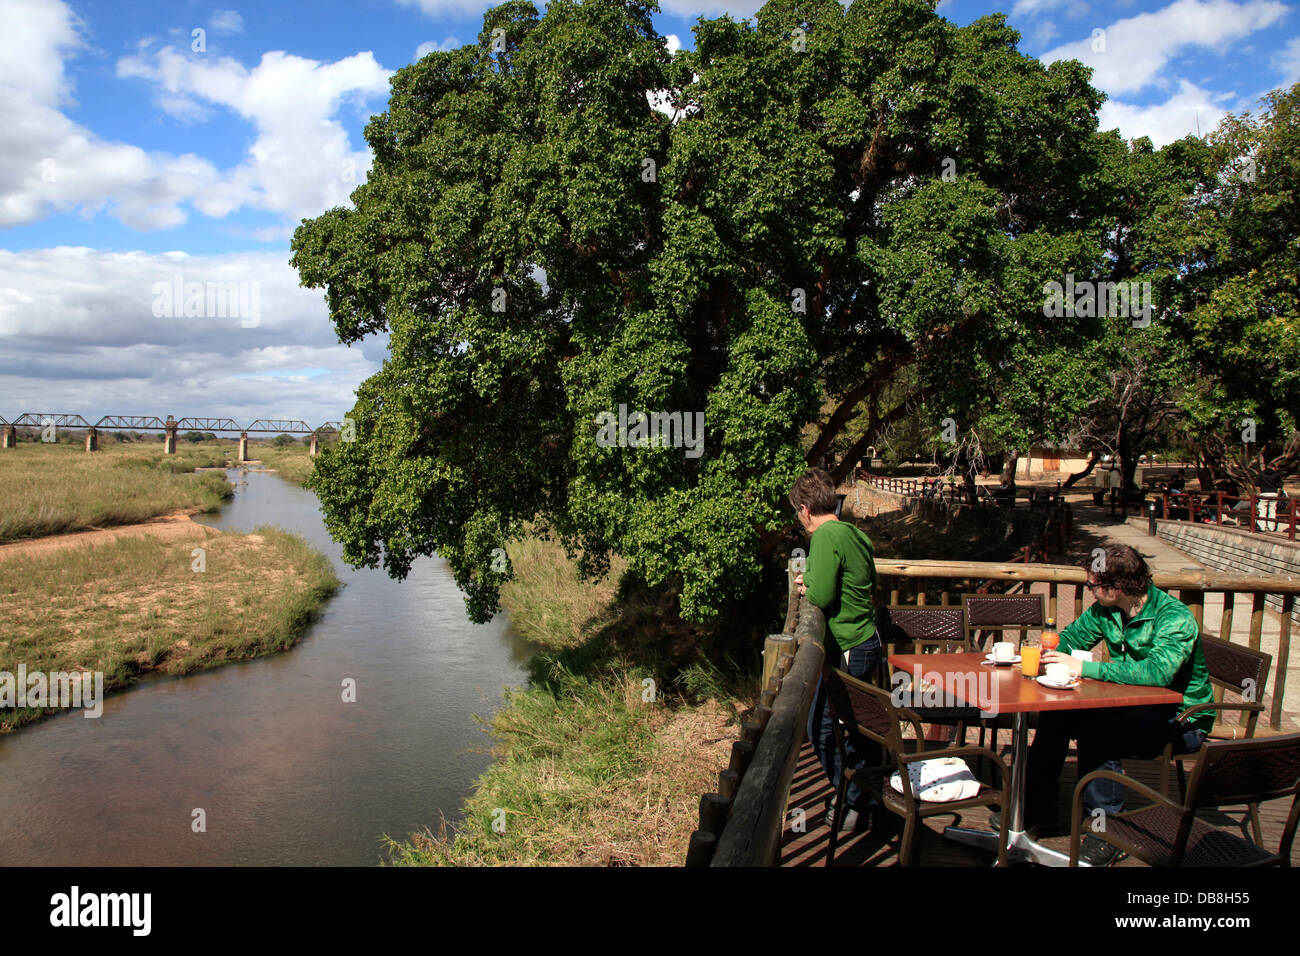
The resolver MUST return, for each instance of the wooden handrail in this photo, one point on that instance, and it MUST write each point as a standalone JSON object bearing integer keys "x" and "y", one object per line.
{"x": 752, "y": 835}
{"x": 1200, "y": 579}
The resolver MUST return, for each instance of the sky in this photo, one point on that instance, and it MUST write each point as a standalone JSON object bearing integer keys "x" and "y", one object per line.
{"x": 156, "y": 157}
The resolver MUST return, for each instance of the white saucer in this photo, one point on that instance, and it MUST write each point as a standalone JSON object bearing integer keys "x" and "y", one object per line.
{"x": 1055, "y": 686}
{"x": 990, "y": 659}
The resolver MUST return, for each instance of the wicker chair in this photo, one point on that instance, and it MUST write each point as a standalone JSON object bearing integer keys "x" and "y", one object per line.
{"x": 995, "y": 613}
{"x": 936, "y": 630}
{"x": 999, "y": 612}
{"x": 1230, "y": 772}
{"x": 873, "y": 712}
{"x": 1232, "y": 668}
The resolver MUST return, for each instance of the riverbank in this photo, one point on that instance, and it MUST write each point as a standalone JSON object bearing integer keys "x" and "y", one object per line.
{"x": 601, "y": 760}
{"x": 167, "y": 597}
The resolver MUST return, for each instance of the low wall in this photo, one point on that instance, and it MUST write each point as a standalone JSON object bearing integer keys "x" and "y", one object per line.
{"x": 1238, "y": 552}
{"x": 1003, "y": 528}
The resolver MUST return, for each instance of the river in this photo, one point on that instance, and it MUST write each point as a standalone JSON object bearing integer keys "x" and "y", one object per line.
{"x": 285, "y": 771}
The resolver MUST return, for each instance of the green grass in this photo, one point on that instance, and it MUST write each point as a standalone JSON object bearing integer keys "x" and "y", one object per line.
{"x": 136, "y": 605}
{"x": 57, "y": 488}
{"x": 594, "y": 766}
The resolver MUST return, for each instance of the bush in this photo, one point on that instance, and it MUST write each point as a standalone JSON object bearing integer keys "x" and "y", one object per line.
{"x": 283, "y": 441}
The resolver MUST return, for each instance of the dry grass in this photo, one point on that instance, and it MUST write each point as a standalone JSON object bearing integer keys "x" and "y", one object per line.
{"x": 137, "y": 605}
{"x": 56, "y": 488}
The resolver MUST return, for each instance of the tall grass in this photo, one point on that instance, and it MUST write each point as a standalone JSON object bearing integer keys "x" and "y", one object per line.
{"x": 55, "y": 488}
{"x": 602, "y": 759}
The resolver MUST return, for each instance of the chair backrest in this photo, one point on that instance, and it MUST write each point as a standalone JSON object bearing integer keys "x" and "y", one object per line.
{"x": 1230, "y": 772}
{"x": 939, "y": 629}
{"x": 1236, "y": 668}
{"x": 870, "y": 708}
{"x": 998, "y": 612}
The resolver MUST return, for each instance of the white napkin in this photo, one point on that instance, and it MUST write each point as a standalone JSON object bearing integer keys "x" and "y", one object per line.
{"x": 939, "y": 780}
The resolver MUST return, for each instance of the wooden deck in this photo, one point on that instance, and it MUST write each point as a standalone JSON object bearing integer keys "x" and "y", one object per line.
{"x": 879, "y": 847}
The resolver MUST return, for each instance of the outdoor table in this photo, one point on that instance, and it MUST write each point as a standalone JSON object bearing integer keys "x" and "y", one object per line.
{"x": 1007, "y": 691}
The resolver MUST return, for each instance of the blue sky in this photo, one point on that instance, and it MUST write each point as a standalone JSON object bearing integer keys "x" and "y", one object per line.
{"x": 137, "y": 154}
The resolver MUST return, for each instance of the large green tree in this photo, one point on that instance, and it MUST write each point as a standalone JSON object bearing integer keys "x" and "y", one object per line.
{"x": 846, "y": 200}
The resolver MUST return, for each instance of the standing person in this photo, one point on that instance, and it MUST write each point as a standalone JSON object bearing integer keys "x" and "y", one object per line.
{"x": 1270, "y": 483}
{"x": 841, "y": 580}
{"x": 1153, "y": 640}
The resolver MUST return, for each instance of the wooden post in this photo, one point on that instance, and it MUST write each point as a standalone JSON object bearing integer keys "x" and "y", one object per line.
{"x": 1225, "y": 620}
{"x": 773, "y": 648}
{"x": 713, "y": 813}
{"x": 700, "y": 851}
{"x": 1283, "y": 656}
{"x": 1257, "y": 623}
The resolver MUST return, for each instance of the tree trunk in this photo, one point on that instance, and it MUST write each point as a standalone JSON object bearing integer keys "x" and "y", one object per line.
{"x": 1079, "y": 476}
{"x": 1009, "y": 467}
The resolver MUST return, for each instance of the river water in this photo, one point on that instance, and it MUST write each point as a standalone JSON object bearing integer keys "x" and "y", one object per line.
{"x": 283, "y": 769}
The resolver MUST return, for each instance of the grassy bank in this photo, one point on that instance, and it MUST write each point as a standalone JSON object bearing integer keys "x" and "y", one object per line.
{"x": 595, "y": 766}
{"x": 138, "y": 605}
{"x": 56, "y": 488}
{"x": 293, "y": 463}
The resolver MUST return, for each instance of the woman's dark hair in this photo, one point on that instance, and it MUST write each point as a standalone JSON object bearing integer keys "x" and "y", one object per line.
{"x": 815, "y": 489}
{"x": 1120, "y": 566}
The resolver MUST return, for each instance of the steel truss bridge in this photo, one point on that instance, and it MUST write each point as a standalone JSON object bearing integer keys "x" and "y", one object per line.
{"x": 276, "y": 426}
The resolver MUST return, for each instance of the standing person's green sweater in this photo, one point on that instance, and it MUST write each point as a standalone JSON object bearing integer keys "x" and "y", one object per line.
{"x": 841, "y": 580}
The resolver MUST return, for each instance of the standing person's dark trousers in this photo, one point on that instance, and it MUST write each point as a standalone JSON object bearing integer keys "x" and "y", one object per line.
{"x": 1105, "y": 735}
{"x": 861, "y": 751}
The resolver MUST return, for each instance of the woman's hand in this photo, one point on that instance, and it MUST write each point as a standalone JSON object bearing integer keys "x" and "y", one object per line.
{"x": 798, "y": 583}
{"x": 1056, "y": 657}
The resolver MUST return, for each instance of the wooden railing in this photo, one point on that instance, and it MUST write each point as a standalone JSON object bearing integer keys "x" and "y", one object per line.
{"x": 742, "y": 824}
{"x": 1242, "y": 512}
{"x": 944, "y": 582}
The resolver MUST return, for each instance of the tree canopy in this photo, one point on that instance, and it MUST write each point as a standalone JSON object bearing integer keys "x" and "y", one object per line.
{"x": 852, "y": 211}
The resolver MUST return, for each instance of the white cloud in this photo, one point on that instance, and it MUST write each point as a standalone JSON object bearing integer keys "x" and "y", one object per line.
{"x": 428, "y": 46}
{"x": 1137, "y": 49}
{"x": 1288, "y": 62}
{"x": 78, "y": 333}
{"x": 1030, "y": 8}
{"x": 1191, "y": 107}
{"x": 226, "y": 22}
{"x": 301, "y": 162}
{"x": 53, "y": 163}
{"x": 1044, "y": 33}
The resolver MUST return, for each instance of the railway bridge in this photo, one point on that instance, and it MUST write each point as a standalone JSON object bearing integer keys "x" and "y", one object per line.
{"x": 50, "y": 422}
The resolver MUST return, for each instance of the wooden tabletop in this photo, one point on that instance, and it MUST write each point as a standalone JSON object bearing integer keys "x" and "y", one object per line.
{"x": 1004, "y": 690}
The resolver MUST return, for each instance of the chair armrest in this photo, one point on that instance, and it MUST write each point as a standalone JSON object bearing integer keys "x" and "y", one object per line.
{"x": 1247, "y": 708}
{"x": 1128, "y": 783}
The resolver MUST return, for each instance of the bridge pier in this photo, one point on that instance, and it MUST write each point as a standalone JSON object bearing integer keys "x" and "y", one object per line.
{"x": 243, "y": 446}
{"x": 10, "y": 436}
{"x": 92, "y": 440}
{"x": 169, "y": 440}
{"x": 313, "y": 450}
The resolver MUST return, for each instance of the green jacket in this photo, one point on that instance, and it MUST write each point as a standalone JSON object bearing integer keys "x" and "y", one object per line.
{"x": 1159, "y": 647}
{"x": 841, "y": 580}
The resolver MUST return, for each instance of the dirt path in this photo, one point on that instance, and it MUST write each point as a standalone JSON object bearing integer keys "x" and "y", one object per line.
{"x": 176, "y": 526}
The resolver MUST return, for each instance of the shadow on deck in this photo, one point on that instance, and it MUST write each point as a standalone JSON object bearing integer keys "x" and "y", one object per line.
{"x": 879, "y": 846}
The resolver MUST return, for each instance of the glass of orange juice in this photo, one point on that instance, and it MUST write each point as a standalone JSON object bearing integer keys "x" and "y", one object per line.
{"x": 1029, "y": 656}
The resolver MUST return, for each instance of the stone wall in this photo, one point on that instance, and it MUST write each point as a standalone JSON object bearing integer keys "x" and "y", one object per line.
{"x": 1236, "y": 552}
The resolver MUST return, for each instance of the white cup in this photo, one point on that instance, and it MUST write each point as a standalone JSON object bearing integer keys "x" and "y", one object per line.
{"x": 1081, "y": 655}
{"x": 1058, "y": 673}
{"x": 1004, "y": 650}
